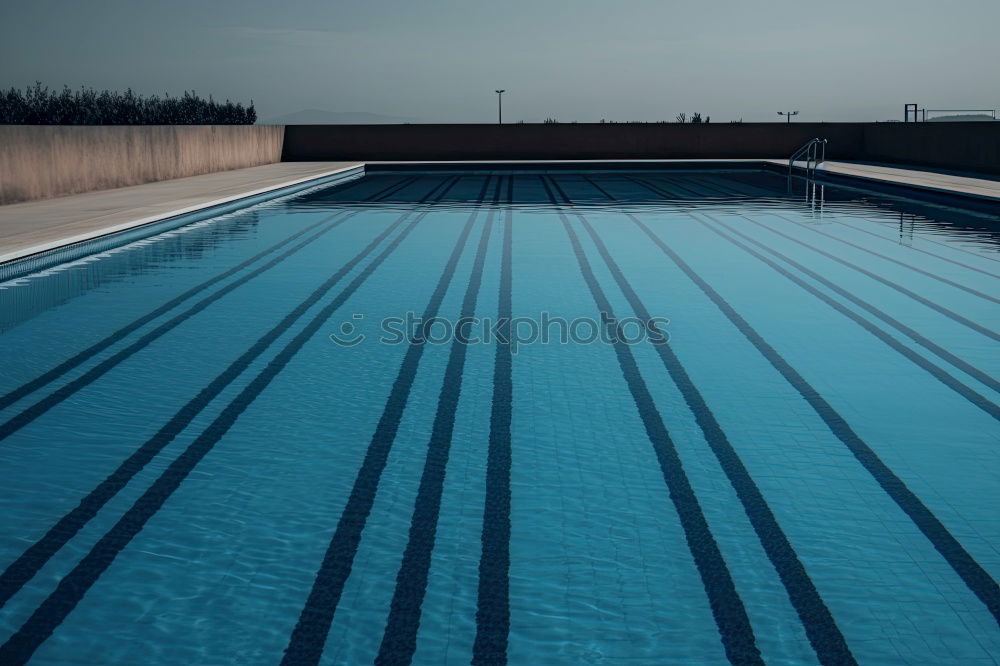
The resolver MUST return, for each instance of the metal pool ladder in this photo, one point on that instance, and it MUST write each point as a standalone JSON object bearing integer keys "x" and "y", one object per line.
{"x": 815, "y": 153}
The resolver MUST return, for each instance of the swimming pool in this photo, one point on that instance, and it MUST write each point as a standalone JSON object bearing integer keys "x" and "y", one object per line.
{"x": 636, "y": 417}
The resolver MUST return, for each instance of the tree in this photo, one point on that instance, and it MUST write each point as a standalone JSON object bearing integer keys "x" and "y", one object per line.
{"x": 39, "y": 105}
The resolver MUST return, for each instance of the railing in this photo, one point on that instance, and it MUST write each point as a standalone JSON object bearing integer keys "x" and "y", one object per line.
{"x": 984, "y": 113}
{"x": 815, "y": 153}
{"x": 920, "y": 115}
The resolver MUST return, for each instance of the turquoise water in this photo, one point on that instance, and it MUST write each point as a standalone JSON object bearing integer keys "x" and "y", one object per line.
{"x": 782, "y": 447}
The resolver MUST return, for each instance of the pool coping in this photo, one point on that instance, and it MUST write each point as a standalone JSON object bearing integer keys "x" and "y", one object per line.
{"x": 535, "y": 166}
{"x": 45, "y": 255}
{"x": 867, "y": 177}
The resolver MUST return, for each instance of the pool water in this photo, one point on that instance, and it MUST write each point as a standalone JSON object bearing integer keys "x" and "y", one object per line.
{"x": 654, "y": 417}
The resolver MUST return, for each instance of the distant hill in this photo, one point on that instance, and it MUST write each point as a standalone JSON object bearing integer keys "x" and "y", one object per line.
{"x": 968, "y": 117}
{"x": 320, "y": 117}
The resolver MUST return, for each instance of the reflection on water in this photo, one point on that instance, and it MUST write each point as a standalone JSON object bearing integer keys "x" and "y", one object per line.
{"x": 797, "y": 357}
{"x": 649, "y": 192}
{"x": 22, "y": 299}
{"x": 727, "y": 191}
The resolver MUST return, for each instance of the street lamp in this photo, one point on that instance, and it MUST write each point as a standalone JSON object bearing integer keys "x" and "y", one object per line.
{"x": 500, "y": 106}
{"x": 788, "y": 114}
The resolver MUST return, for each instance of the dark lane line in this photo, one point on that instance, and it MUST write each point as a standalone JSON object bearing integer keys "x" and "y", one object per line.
{"x": 493, "y": 597}
{"x": 821, "y": 628}
{"x": 309, "y": 636}
{"x": 944, "y": 354}
{"x": 895, "y": 241}
{"x": 975, "y": 577}
{"x": 954, "y": 316}
{"x": 71, "y": 589}
{"x": 934, "y": 348}
{"x": 977, "y": 399}
{"x": 332, "y": 196}
{"x": 770, "y": 192}
{"x": 727, "y": 607}
{"x": 934, "y": 276}
{"x": 29, "y": 414}
{"x": 937, "y": 372}
{"x": 24, "y": 568}
{"x": 399, "y": 640}
{"x": 33, "y": 385}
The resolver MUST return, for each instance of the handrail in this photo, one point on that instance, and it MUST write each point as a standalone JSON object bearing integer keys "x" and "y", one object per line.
{"x": 815, "y": 153}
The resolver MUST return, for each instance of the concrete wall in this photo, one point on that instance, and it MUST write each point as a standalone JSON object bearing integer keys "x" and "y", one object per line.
{"x": 42, "y": 161}
{"x": 968, "y": 146}
{"x": 564, "y": 141}
{"x": 959, "y": 146}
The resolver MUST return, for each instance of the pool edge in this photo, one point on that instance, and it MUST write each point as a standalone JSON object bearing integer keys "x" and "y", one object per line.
{"x": 886, "y": 185}
{"x": 40, "y": 257}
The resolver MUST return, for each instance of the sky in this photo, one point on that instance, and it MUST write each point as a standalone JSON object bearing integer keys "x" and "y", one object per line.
{"x": 574, "y": 60}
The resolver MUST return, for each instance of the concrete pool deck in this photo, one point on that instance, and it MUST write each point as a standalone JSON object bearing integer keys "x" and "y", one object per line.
{"x": 36, "y": 226}
{"x": 937, "y": 181}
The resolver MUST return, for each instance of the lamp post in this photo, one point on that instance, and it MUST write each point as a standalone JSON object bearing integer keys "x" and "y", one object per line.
{"x": 500, "y": 106}
{"x": 788, "y": 114}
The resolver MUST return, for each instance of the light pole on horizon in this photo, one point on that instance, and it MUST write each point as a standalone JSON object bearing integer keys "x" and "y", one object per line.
{"x": 500, "y": 106}
{"x": 788, "y": 114}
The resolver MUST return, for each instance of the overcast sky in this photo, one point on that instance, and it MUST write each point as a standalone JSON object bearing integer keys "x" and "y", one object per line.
{"x": 440, "y": 60}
